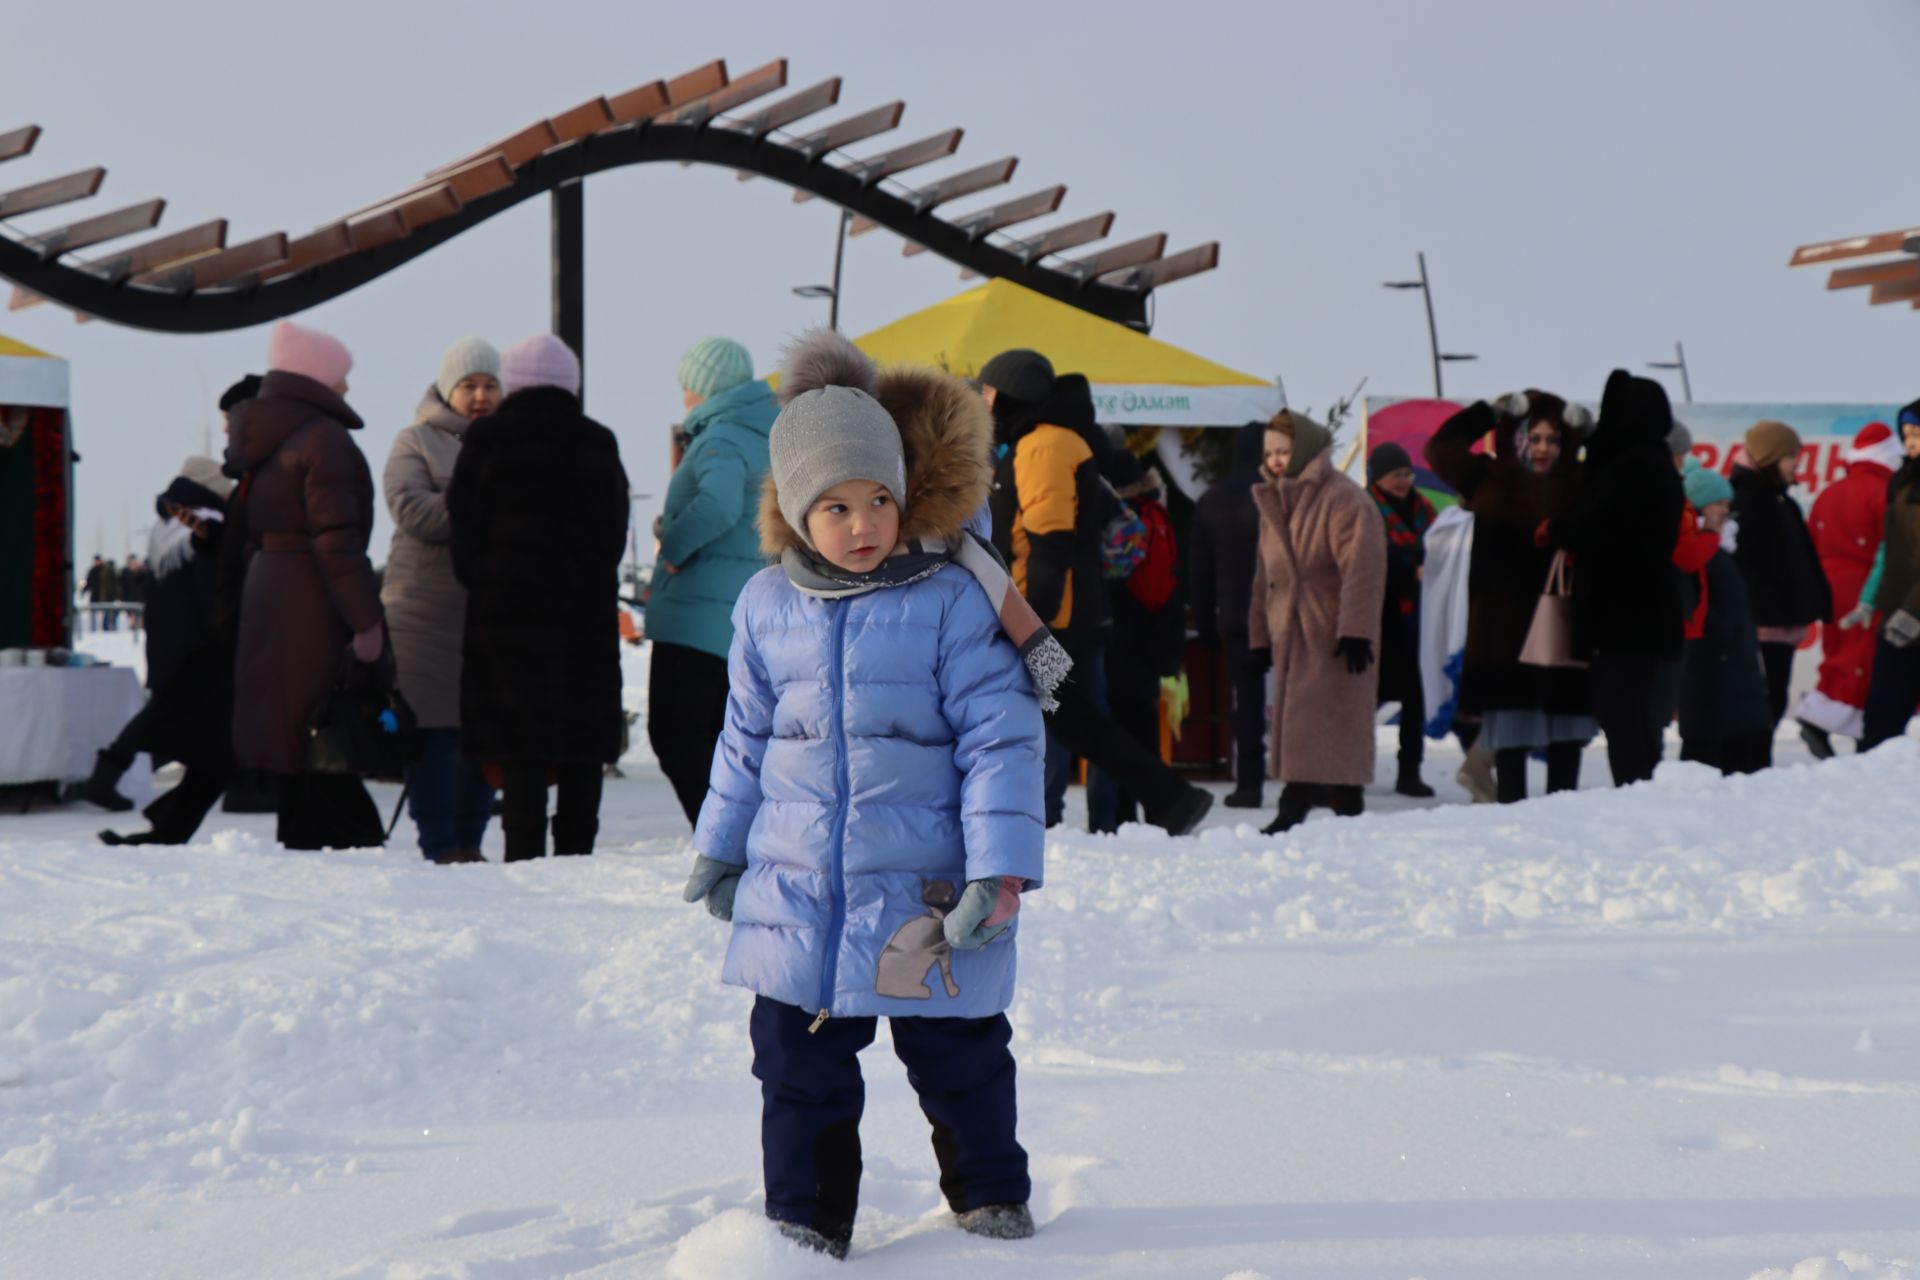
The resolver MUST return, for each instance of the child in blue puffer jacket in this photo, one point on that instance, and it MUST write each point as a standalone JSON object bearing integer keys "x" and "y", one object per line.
{"x": 875, "y": 807}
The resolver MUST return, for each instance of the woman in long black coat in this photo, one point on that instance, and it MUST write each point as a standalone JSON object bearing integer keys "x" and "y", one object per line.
{"x": 1530, "y": 476}
{"x": 1785, "y": 583}
{"x": 539, "y": 508}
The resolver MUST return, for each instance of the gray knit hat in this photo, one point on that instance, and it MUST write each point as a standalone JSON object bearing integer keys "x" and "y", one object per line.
{"x": 465, "y": 357}
{"x": 1021, "y": 374}
{"x": 827, "y": 437}
{"x": 1679, "y": 439}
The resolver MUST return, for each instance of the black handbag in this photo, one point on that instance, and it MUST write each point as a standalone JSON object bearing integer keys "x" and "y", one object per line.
{"x": 362, "y": 728}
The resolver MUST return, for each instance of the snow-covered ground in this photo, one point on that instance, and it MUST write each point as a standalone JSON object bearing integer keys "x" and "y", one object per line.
{"x": 1668, "y": 1033}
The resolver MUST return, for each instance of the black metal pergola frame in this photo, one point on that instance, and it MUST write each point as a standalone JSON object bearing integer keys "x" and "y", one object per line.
{"x": 192, "y": 282}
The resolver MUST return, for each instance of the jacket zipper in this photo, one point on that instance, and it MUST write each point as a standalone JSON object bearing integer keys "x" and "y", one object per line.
{"x": 836, "y": 848}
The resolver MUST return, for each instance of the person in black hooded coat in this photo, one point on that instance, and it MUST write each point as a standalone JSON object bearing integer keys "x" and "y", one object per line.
{"x": 1225, "y": 553}
{"x": 538, "y": 504}
{"x": 1622, "y": 529}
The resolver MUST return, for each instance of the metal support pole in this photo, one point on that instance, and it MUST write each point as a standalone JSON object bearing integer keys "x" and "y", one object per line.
{"x": 570, "y": 272}
{"x": 1686, "y": 383}
{"x": 839, "y": 255}
{"x": 1433, "y": 332}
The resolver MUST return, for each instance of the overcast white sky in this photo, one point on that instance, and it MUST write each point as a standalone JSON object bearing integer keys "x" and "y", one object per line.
{"x": 1589, "y": 182}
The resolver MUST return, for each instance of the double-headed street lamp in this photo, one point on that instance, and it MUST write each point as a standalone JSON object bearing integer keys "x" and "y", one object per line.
{"x": 1678, "y": 362}
{"x": 1433, "y": 335}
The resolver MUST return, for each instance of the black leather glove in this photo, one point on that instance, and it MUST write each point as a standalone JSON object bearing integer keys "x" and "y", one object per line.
{"x": 1358, "y": 651}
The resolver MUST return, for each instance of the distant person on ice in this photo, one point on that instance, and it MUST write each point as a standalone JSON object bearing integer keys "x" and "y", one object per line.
{"x": 447, "y": 795}
{"x": 306, "y": 504}
{"x": 538, "y": 505}
{"x": 1317, "y": 598}
{"x": 1527, "y": 476}
{"x": 1847, "y": 522}
{"x": 876, "y": 804}
{"x": 1890, "y": 602}
{"x": 1776, "y": 555}
{"x": 708, "y": 550}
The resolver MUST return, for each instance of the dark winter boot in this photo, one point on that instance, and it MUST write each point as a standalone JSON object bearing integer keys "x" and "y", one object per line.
{"x": 1187, "y": 812}
{"x": 808, "y": 1238}
{"x": 1411, "y": 785}
{"x": 1818, "y": 740}
{"x": 455, "y": 857}
{"x": 1346, "y": 802}
{"x": 998, "y": 1222}
{"x": 1296, "y": 802}
{"x": 1248, "y": 795}
{"x": 101, "y": 787}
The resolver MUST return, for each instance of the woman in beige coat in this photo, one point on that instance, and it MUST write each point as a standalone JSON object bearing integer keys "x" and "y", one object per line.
{"x": 426, "y": 605}
{"x": 1317, "y": 593}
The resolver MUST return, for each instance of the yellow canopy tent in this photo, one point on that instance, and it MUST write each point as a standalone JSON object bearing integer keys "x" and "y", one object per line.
{"x": 1137, "y": 380}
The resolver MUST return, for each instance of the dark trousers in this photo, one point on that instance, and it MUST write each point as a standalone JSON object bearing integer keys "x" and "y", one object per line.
{"x": 1666, "y": 699}
{"x": 1510, "y": 770}
{"x": 1778, "y": 660}
{"x": 447, "y": 797}
{"x": 1108, "y": 802}
{"x": 1249, "y": 712}
{"x": 1623, "y": 704}
{"x": 1743, "y": 753}
{"x": 132, "y": 739}
{"x": 1090, "y": 668}
{"x": 328, "y": 811}
{"x": 523, "y": 807}
{"x": 1085, "y": 731}
{"x": 686, "y": 714}
{"x": 812, "y": 1096}
{"x": 1892, "y": 695}
{"x": 1413, "y": 713}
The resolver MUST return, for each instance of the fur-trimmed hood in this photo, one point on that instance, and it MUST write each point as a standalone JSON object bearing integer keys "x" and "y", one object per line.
{"x": 946, "y": 433}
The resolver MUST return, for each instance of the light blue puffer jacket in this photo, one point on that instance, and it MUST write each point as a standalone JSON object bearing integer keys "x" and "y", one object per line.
{"x": 880, "y": 752}
{"x": 874, "y": 747}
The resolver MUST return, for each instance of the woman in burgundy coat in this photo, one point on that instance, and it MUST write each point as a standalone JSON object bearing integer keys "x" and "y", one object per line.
{"x": 306, "y": 500}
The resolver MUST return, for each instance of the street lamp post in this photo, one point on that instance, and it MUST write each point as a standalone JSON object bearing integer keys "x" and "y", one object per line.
{"x": 831, "y": 292}
{"x": 1679, "y": 362}
{"x": 1433, "y": 333}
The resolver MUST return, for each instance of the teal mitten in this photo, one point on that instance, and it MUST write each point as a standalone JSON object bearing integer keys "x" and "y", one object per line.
{"x": 986, "y": 908}
{"x": 714, "y": 881}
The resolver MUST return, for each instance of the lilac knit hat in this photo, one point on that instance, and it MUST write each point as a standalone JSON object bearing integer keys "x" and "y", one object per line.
{"x": 540, "y": 361}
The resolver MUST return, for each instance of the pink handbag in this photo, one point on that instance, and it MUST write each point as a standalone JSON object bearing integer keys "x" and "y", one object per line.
{"x": 1550, "y": 637}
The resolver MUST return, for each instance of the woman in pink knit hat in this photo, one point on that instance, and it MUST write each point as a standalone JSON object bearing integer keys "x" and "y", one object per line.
{"x": 305, "y": 506}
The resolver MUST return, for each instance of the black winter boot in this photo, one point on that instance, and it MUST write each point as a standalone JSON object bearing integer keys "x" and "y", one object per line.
{"x": 102, "y": 787}
{"x": 1187, "y": 812}
{"x": 1296, "y": 802}
{"x": 1818, "y": 741}
{"x": 1248, "y": 795}
{"x": 1411, "y": 785}
{"x": 807, "y": 1238}
{"x": 1346, "y": 802}
{"x": 998, "y": 1222}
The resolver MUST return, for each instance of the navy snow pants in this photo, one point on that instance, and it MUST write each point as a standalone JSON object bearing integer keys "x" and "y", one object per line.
{"x": 812, "y": 1096}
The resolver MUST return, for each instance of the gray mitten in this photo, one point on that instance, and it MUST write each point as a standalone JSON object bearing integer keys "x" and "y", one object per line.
{"x": 981, "y": 915}
{"x": 716, "y": 882}
{"x": 1902, "y": 629}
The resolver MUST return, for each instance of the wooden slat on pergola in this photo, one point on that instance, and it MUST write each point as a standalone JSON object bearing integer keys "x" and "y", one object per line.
{"x": 193, "y": 281}
{"x": 1893, "y": 278}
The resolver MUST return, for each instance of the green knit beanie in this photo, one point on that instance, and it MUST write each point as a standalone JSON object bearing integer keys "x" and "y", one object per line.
{"x": 713, "y": 366}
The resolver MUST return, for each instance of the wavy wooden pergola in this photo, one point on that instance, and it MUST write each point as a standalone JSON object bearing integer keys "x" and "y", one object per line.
{"x": 1889, "y": 279}
{"x": 196, "y": 281}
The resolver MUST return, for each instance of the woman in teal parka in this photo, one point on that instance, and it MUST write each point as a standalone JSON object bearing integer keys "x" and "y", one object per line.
{"x": 708, "y": 550}
{"x": 875, "y": 811}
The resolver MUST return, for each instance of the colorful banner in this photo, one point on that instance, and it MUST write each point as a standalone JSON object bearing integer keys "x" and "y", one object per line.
{"x": 1826, "y": 433}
